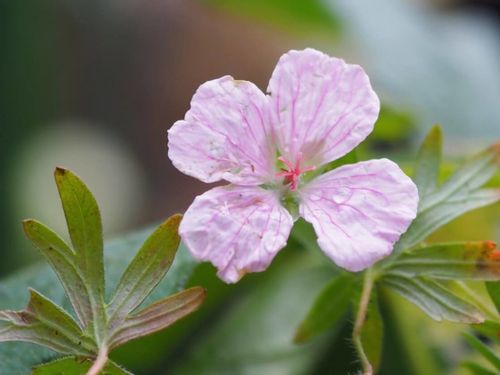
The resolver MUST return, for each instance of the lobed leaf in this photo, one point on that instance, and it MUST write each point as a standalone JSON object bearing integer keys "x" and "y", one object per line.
{"x": 118, "y": 254}
{"x": 434, "y": 299}
{"x": 82, "y": 274}
{"x": 328, "y": 308}
{"x": 145, "y": 271}
{"x": 434, "y": 217}
{"x": 459, "y": 194}
{"x": 45, "y": 323}
{"x": 62, "y": 260}
{"x": 428, "y": 162}
{"x": 76, "y": 366}
{"x": 461, "y": 260}
{"x": 486, "y": 351}
{"x": 158, "y": 316}
{"x": 469, "y": 177}
{"x": 85, "y": 229}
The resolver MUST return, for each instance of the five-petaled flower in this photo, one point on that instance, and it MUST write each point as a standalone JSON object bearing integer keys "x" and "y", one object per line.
{"x": 269, "y": 148}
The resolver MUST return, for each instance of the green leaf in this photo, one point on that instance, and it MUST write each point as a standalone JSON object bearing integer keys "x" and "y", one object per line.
{"x": 394, "y": 127}
{"x": 434, "y": 217}
{"x": 145, "y": 271}
{"x": 118, "y": 254}
{"x": 459, "y": 194}
{"x": 406, "y": 352}
{"x": 328, "y": 308}
{"x": 485, "y": 350}
{"x": 62, "y": 260}
{"x": 158, "y": 316}
{"x": 471, "y": 176}
{"x": 295, "y": 16}
{"x": 85, "y": 229}
{"x": 349, "y": 158}
{"x": 434, "y": 299}
{"x": 478, "y": 369}
{"x": 489, "y": 328}
{"x": 303, "y": 232}
{"x": 494, "y": 292}
{"x": 45, "y": 323}
{"x": 428, "y": 162}
{"x": 253, "y": 334}
{"x": 460, "y": 260}
{"x": 372, "y": 332}
{"x": 75, "y": 366}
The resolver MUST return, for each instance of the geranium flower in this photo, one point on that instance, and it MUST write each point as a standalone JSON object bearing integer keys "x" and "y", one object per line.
{"x": 318, "y": 108}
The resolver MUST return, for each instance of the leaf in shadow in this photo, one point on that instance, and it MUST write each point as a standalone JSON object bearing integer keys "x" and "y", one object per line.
{"x": 45, "y": 323}
{"x": 75, "y": 366}
{"x": 331, "y": 304}
{"x": 145, "y": 271}
{"x": 158, "y": 316}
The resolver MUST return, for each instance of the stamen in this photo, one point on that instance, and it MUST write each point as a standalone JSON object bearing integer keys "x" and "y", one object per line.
{"x": 282, "y": 174}
{"x": 286, "y": 162}
{"x": 293, "y": 172}
{"x": 308, "y": 169}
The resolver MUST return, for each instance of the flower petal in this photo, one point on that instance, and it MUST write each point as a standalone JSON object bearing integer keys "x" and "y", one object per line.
{"x": 224, "y": 134}
{"x": 322, "y": 106}
{"x": 359, "y": 211}
{"x": 237, "y": 228}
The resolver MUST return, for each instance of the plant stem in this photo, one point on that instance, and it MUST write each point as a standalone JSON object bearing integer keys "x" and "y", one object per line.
{"x": 360, "y": 320}
{"x": 100, "y": 362}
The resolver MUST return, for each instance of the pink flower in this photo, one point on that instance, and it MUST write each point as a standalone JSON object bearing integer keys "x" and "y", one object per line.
{"x": 318, "y": 108}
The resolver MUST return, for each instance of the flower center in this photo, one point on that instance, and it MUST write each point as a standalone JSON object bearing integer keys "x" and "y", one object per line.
{"x": 292, "y": 171}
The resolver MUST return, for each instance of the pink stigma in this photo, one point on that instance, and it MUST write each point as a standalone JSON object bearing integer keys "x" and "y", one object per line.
{"x": 293, "y": 172}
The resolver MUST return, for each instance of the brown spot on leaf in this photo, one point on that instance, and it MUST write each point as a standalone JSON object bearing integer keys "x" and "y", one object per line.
{"x": 486, "y": 256}
{"x": 495, "y": 256}
{"x": 495, "y": 150}
{"x": 165, "y": 262}
{"x": 489, "y": 245}
{"x": 25, "y": 317}
{"x": 60, "y": 171}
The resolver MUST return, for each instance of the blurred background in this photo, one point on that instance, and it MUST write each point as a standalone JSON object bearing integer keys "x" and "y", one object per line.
{"x": 94, "y": 85}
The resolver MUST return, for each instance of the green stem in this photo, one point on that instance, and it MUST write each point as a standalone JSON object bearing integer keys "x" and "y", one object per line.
{"x": 366, "y": 292}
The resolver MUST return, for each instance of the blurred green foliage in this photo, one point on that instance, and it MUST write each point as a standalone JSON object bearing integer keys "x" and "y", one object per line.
{"x": 299, "y": 17}
{"x": 394, "y": 127}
